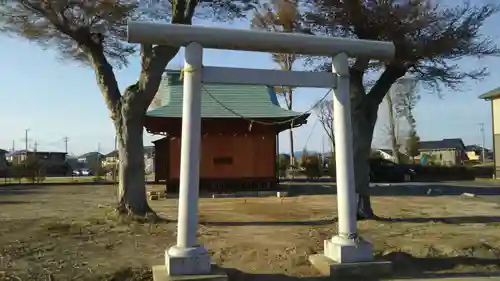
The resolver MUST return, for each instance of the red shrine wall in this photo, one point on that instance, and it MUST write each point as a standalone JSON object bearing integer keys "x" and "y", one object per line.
{"x": 227, "y": 157}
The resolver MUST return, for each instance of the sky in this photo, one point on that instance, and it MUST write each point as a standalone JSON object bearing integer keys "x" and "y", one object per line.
{"x": 54, "y": 99}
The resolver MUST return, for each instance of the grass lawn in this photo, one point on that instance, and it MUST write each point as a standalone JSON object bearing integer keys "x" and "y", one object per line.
{"x": 69, "y": 233}
{"x": 56, "y": 180}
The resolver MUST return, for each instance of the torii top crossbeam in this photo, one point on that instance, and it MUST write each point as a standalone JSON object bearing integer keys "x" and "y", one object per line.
{"x": 254, "y": 40}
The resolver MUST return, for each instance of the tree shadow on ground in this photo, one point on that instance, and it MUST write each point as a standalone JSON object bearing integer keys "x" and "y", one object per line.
{"x": 408, "y": 266}
{"x": 269, "y": 223}
{"x": 12, "y": 202}
{"x": 405, "y": 266}
{"x": 447, "y": 220}
{"x": 409, "y": 189}
{"x": 21, "y": 189}
{"x": 237, "y": 275}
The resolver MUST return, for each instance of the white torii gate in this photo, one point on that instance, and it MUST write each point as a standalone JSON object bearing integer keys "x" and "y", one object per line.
{"x": 189, "y": 258}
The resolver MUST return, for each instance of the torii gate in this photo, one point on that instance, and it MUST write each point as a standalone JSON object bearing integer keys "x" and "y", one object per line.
{"x": 346, "y": 248}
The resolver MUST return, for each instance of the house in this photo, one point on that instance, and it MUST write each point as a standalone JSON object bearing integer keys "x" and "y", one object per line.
{"x": 447, "y": 152}
{"x": 475, "y": 152}
{"x": 52, "y": 158}
{"x": 110, "y": 159}
{"x": 3, "y": 162}
{"x": 89, "y": 160}
{"x": 236, "y": 152}
{"x": 493, "y": 97}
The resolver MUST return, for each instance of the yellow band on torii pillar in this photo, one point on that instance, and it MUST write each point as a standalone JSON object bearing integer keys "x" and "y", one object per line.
{"x": 188, "y": 70}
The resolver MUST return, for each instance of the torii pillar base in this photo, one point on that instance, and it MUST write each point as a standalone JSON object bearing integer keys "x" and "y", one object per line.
{"x": 346, "y": 258}
{"x": 216, "y": 274}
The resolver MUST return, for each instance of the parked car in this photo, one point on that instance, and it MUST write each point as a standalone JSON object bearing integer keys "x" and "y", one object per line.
{"x": 82, "y": 172}
{"x": 85, "y": 172}
{"x": 382, "y": 170}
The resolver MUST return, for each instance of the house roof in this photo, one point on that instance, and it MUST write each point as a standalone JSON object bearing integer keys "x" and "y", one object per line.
{"x": 15, "y": 153}
{"x": 90, "y": 154}
{"x": 223, "y": 101}
{"x": 113, "y": 153}
{"x": 441, "y": 144}
{"x": 475, "y": 147}
{"x": 23, "y": 151}
{"x": 493, "y": 94}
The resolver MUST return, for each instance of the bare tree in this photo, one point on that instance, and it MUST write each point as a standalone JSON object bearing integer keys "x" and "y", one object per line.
{"x": 399, "y": 107}
{"x": 406, "y": 99}
{"x": 392, "y": 129}
{"x": 429, "y": 39}
{"x": 281, "y": 16}
{"x": 93, "y": 32}
{"x": 324, "y": 112}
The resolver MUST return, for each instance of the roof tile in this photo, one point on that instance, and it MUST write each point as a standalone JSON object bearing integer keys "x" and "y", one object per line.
{"x": 222, "y": 101}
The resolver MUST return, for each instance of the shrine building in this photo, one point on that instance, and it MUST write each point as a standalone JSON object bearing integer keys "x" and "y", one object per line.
{"x": 239, "y": 127}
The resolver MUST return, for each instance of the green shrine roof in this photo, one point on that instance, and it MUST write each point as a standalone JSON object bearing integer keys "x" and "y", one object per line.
{"x": 247, "y": 101}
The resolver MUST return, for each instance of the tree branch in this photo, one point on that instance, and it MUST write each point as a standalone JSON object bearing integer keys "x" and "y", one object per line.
{"x": 106, "y": 79}
{"x": 390, "y": 75}
{"x": 154, "y": 60}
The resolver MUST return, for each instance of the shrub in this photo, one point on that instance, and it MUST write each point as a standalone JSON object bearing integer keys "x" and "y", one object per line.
{"x": 331, "y": 168}
{"x": 443, "y": 173}
{"x": 16, "y": 171}
{"x": 34, "y": 170}
{"x": 283, "y": 163}
{"x": 312, "y": 166}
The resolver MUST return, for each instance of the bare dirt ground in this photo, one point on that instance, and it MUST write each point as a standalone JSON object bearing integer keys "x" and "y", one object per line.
{"x": 70, "y": 233}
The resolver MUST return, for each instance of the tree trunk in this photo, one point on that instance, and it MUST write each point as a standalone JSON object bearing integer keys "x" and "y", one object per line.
{"x": 392, "y": 129}
{"x": 132, "y": 198}
{"x": 364, "y": 117}
{"x": 292, "y": 148}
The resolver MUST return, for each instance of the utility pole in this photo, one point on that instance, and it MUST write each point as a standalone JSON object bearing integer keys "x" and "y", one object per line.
{"x": 26, "y": 147}
{"x": 13, "y": 145}
{"x": 35, "y": 146}
{"x": 26, "y": 140}
{"x": 66, "y": 140}
{"x": 481, "y": 129}
{"x": 99, "y": 163}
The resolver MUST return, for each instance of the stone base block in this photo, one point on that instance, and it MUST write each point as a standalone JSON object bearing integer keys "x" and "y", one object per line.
{"x": 356, "y": 270}
{"x": 187, "y": 261}
{"x": 344, "y": 250}
{"x": 216, "y": 274}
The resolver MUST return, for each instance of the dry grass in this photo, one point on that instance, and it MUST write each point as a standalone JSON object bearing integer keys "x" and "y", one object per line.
{"x": 70, "y": 233}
